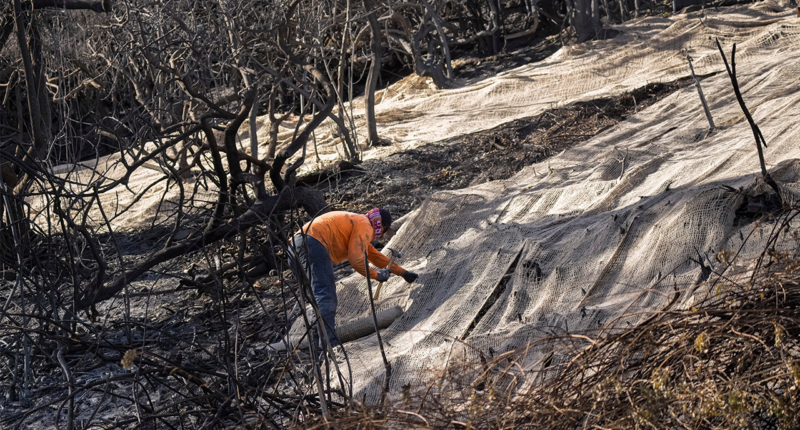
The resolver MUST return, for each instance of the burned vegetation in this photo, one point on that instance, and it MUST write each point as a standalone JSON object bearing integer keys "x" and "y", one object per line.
{"x": 119, "y": 309}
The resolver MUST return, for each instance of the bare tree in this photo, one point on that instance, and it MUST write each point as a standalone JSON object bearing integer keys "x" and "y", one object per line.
{"x": 374, "y": 70}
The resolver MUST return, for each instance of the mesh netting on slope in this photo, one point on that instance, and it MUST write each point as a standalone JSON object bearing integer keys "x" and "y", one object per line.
{"x": 147, "y": 197}
{"x": 606, "y": 231}
{"x": 651, "y": 49}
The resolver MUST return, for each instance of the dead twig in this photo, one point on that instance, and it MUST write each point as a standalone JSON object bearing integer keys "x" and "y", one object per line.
{"x": 756, "y": 131}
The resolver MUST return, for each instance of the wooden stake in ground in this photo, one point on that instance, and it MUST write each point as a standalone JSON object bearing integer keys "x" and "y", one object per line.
{"x": 700, "y": 93}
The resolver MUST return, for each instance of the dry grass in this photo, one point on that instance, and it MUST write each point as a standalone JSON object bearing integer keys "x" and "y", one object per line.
{"x": 732, "y": 360}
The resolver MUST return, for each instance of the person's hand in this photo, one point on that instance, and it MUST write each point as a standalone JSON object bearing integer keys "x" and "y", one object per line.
{"x": 383, "y": 275}
{"x": 410, "y": 277}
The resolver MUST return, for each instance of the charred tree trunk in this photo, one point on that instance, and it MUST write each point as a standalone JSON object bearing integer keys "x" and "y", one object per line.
{"x": 597, "y": 26}
{"x": 607, "y": 10}
{"x": 37, "y": 97}
{"x": 374, "y": 72}
{"x": 437, "y": 21}
{"x": 582, "y": 20}
{"x": 495, "y": 23}
{"x": 623, "y": 10}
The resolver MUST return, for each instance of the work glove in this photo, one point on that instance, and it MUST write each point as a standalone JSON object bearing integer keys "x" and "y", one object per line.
{"x": 410, "y": 277}
{"x": 383, "y": 275}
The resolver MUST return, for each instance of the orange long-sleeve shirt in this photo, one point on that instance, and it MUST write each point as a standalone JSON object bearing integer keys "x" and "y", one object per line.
{"x": 346, "y": 235}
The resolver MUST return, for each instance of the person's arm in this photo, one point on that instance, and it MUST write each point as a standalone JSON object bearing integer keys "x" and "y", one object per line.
{"x": 359, "y": 242}
{"x": 379, "y": 260}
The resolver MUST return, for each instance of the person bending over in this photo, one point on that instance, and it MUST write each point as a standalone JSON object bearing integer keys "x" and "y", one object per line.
{"x": 335, "y": 237}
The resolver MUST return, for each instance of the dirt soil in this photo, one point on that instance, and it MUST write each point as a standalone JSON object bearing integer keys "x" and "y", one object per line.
{"x": 403, "y": 180}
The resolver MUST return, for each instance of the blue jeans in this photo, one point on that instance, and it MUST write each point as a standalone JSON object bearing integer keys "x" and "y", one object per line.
{"x": 313, "y": 260}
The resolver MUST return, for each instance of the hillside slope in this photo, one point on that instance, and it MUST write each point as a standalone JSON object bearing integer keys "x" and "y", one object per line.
{"x": 606, "y": 231}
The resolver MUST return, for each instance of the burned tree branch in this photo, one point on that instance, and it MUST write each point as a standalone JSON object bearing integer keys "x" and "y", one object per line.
{"x": 254, "y": 216}
{"x": 274, "y": 122}
{"x": 40, "y": 126}
{"x": 756, "y": 131}
{"x": 233, "y": 129}
{"x": 302, "y": 139}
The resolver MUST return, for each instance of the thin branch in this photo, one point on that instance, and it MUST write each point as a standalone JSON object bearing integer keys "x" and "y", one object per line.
{"x": 756, "y": 131}
{"x": 386, "y": 365}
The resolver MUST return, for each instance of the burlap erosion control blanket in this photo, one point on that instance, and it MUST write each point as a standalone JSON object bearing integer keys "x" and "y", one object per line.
{"x": 607, "y": 230}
